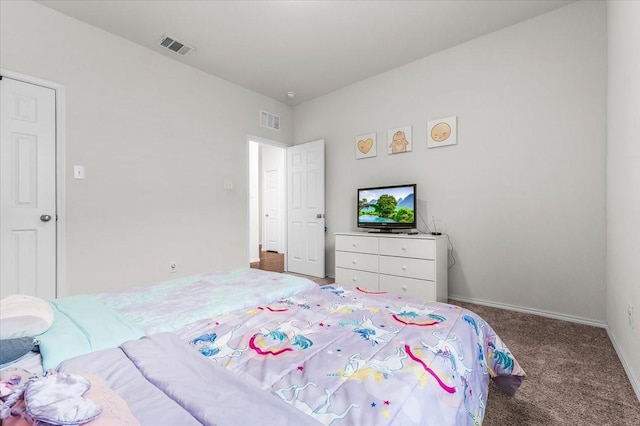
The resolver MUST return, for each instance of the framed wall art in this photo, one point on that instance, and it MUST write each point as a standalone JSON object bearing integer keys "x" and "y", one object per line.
{"x": 366, "y": 146}
{"x": 399, "y": 140}
{"x": 442, "y": 132}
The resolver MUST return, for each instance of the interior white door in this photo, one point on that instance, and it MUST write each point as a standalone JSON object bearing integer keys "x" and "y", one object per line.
{"x": 305, "y": 208}
{"x": 270, "y": 239}
{"x": 28, "y": 185}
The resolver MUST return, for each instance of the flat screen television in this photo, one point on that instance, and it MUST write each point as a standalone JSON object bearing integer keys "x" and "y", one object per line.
{"x": 386, "y": 208}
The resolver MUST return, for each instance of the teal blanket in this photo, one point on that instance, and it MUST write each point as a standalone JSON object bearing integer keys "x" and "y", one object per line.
{"x": 83, "y": 324}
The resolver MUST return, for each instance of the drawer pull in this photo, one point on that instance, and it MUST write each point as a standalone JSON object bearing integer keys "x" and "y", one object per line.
{"x": 404, "y": 287}
{"x": 354, "y": 261}
{"x": 354, "y": 279}
{"x": 404, "y": 268}
{"x": 404, "y": 248}
{"x": 354, "y": 244}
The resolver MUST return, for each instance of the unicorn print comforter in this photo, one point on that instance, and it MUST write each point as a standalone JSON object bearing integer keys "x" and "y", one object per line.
{"x": 165, "y": 383}
{"x": 346, "y": 356}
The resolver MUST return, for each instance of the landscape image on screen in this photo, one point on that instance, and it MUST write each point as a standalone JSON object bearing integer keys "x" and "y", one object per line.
{"x": 386, "y": 205}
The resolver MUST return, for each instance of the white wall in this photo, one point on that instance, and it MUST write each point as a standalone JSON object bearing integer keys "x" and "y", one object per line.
{"x": 522, "y": 194}
{"x": 157, "y": 139}
{"x": 623, "y": 182}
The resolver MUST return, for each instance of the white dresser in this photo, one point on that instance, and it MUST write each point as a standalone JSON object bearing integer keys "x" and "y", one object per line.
{"x": 411, "y": 265}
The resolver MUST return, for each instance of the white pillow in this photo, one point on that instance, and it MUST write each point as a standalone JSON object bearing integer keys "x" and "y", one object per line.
{"x": 22, "y": 316}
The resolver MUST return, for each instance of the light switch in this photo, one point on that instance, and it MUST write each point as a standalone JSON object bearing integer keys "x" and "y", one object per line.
{"x": 227, "y": 184}
{"x": 78, "y": 172}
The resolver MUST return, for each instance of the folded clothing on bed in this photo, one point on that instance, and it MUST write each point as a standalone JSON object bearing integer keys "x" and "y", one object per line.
{"x": 14, "y": 349}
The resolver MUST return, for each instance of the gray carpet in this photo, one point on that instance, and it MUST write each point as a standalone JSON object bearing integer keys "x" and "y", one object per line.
{"x": 574, "y": 376}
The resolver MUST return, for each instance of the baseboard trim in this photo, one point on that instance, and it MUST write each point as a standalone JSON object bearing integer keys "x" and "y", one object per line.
{"x": 635, "y": 384}
{"x": 539, "y": 312}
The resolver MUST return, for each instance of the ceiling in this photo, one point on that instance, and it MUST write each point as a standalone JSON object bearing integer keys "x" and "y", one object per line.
{"x": 309, "y": 47}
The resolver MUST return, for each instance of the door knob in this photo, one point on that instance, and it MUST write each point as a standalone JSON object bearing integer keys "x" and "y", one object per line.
{"x": 45, "y": 218}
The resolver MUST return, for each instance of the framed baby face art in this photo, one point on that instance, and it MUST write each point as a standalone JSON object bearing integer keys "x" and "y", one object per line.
{"x": 442, "y": 132}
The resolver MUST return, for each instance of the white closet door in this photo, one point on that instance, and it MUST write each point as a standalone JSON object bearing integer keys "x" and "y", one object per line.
{"x": 28, "y": 185}
{"x": 270, "y": 240}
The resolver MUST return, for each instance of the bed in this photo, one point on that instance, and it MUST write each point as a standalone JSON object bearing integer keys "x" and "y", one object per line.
{"x": 87, "y": 323}
{"x": 286, "y": 351}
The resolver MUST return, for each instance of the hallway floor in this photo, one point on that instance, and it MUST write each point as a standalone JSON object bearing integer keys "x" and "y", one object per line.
{"x": 272, "y": 261}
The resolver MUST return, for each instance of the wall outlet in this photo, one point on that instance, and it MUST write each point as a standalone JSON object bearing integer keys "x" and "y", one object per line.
{"x": 630, "y": 314}
{"x": 173, "y": 266}
{"x": 78, "y": 172}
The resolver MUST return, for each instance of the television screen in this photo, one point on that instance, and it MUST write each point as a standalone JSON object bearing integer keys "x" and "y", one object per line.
{"x": 387, "y": 207}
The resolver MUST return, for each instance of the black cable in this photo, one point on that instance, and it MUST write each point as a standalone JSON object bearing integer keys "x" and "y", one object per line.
{"x": 453, "y": 258}
{"x": 425, "y": 224}
{"x": 450, "y": 244}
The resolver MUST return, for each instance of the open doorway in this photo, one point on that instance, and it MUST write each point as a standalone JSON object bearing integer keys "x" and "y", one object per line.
{"x": 267, "y": 205}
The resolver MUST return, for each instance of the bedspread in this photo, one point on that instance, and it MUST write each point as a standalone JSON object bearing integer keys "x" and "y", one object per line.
{"x": 166, "y": 383}
{"x": 354, "y": 357}
{"x": 169, "y": 305}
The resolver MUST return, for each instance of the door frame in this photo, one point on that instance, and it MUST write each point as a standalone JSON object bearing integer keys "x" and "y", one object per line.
{"x": 61, "y": 286}
{"x": 261, "y": 140}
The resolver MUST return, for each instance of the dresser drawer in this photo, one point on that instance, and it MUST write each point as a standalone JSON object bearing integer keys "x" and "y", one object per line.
{"x": 411, "y": 265}
{"x": 357, "y": 244}
{"x": 360, "y": 261}
{"x": 410, "y": 287}
{"x": 362, "y": 279}
{"x": 422, "y": 269}
{"x": 408, "y": 247}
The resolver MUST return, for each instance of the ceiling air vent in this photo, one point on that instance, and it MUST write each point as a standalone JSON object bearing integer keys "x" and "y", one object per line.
{"x": 175, "y": 46}
{"x": 269, "y": 120}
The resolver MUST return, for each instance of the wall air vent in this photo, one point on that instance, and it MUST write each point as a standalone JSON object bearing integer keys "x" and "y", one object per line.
{"x": 169, "y": 42}
{"x": 269, "y": 120}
